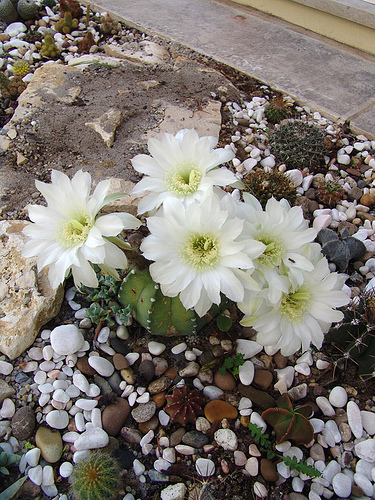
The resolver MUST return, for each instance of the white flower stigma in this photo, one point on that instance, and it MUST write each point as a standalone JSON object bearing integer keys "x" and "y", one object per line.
{"x": 294, "y": 306}
{"x": 184, "y": 179}
{"x": 74, "y": 230}
{"x": 201, "y": 251}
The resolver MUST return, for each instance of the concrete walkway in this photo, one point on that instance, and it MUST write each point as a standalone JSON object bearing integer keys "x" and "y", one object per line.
{"x": 326, "y": 76}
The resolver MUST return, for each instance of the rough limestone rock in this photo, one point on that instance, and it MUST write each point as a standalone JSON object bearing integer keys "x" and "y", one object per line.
{"x": 48, "y": 85}
{"x": 27, "y": 301}
{"x": 206, "y": 121}
{"x": 146, "y": 52}
{"x": 106, "y": 125}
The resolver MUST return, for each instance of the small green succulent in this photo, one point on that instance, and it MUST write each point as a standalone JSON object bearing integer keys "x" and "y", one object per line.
{"x": 6, "y": 460}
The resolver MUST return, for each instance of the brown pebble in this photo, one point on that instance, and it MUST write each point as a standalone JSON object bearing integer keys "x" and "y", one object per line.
{"x": 280, "y": 360}
{"x": 357, "y": 491}
{"x": 176, "y": 437}
{"x": 114, "y": 416}
{"x": 171, "y": 372}
{"x": 245, "y": 420}
{"x": 268, "y": 470}
{"x": 216, "y": 410}
{"x": 149, "y": 425}
{"x": 260, "y": 398}
{"x": 120, "y": 362}
{"x": 23, "y": 423}
{"x": 225, "y": 382}
{"x": 263, "y": 379}
{"x": 159, "y": 385}
{"x": 368, "y": 200}
{"x": 4, "y": 37}
{"x": 84, "y": 367}
{"x": 159, "y": 399}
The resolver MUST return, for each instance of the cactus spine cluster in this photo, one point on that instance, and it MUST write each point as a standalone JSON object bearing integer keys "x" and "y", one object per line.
{"x": 95, "y": 478}
{"x": 356, "y": 334}
{"x": 279, "y": 108}
{"x": 263, "y": 185}
{"x": 298, "y": 144}
{"x": 160, "y": 315}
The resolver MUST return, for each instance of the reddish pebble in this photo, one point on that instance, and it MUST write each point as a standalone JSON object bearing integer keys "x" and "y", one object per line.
{"x": 216, "y": 410}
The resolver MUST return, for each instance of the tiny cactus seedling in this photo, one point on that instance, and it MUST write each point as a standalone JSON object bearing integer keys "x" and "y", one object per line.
{"x": 86, "y": 43}
{"x": 184, "y": 405}
{"x": 290, "y": 423}
{"x": 263, "y": 185}
{"x": 11, "y": 88}
{"x": 95, "y": 478}
{"x": 160, "y": 315}
{"x": 356, "y": 334}
{"x": 298, "y": 144}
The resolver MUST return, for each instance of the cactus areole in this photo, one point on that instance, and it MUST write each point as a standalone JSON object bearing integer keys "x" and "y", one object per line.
{"x": 160, "y": 315}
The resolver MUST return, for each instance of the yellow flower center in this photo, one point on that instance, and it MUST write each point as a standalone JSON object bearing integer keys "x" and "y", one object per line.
{"x": 294, "y": 305}
{"x": 201, "y": 251}
{"x": 74, "y": 230}
{"x": 273, "y": 253}
{"x": 184, "y": 179}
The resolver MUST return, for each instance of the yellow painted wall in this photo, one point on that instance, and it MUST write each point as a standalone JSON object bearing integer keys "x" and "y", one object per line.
{"x": 336, "y": 28}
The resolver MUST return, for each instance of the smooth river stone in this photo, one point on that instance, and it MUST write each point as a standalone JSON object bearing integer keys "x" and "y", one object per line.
{"x": 217, "y": 410}
{"x": 91, "y": 439}
{"x": 50, "y": 444}
{"x": 101, "y": 365}
{"x": 66, "y": 339}
{"x": 57, "y": 419}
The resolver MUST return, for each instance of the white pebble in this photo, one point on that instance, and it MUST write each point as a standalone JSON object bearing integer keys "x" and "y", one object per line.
{"x": 101, "y": 365}
{"x": 325, "y": 406}
{"x": 8, "y": 408}
{"x": 156, "y": 348}
{"x": 338, "y": 397}
{"x": 57, "y": 419}
{"x": 66, "y": 339}
{"x": 179, "y": 348}
{"x": 354, "y": 419}
{"x": 92, "y": 438}
{"x": 342, "y": 485}
{"x": 66, "y": 469}
{"x": 36, "y": 474}
{"x": 32, "y": 457}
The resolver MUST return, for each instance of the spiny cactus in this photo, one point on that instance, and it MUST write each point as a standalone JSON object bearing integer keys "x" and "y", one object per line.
{"x": 26, "y": 9}
{"x": 279, "y": 108}
{"x": 66, "y": 24}
{"x": 184, "y": 405}
{"x": 160, "y": 315}
{"x": 86, "y": 43}
{"x": 71, "y": 6}
{"x": 107, "y": 25}
{"x": 8, "y": 13}
{"x": 96, "y": 478}
{"x": 263, "y": 185}
{"x": 329, "y": 193}
{"x": 49, "y": 48}
{"x": 298, "y": 144}
{"x": 21, "y": 68}
{"x": 356, "y": 334}
{"x": 11, "y": 88}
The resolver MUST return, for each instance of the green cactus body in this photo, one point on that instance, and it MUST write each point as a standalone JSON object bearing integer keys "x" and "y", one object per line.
{"x": 356, "y": 335}
{"x": 21, "y": 68}
{"x": 160, "y": 315}
{"x": 49, "y": 48}
{"x": 26, "y": 9}
{"x": 298, "y": 144}
{"x": 8, "y": 13}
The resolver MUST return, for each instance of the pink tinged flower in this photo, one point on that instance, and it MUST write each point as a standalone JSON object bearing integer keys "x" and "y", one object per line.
{"x": 68, "y": 235}
{"x": 197, "y": 254}
{"x": 183, "y": 166}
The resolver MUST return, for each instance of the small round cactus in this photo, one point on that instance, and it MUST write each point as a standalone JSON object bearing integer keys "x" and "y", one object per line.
{"x": 21, "y": 68}
{"x": 8, "y": 13}
{"x": 26, "y": 9}
{"x": 298, "y": 144}
{"x": 329, "y": 193}
{"x": 160, "y": 315}
{"x": 278, "y": 109}
{"x": 95, "y": 478}
{"x": 263, "y": 185}
{"x": 184, "y": 405}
